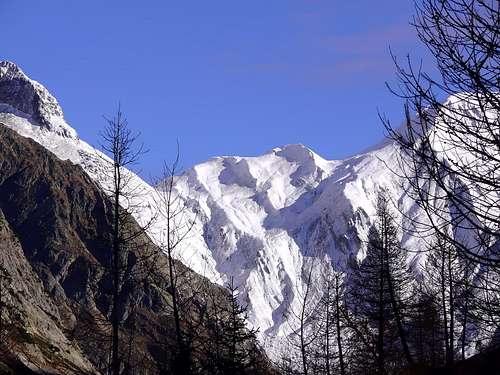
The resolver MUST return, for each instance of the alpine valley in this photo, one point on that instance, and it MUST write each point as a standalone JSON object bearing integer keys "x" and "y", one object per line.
{"x": 259, "y": 220}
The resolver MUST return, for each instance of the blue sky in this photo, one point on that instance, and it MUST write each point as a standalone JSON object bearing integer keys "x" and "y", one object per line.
{"x": 223, "y": 77}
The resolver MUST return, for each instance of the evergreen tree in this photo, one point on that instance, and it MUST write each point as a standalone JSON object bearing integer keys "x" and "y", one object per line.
{"x": 239, "y": 339}
{"x": 379, "y": 294}
{"x": 425, "y": 329}
{"x": 230, "y": 346}
{"x": 448, "y": 283}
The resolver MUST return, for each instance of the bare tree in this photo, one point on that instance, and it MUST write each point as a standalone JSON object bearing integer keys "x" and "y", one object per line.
{"x": 333, "y": 331}
{"x": 451, "y": 150}
{"x": 304, "y": 321}
{"x": 440, "y": 286}
{"x": 338, "y": 296}
{"x": 177, "y": 222}
{"x": 120, "y": 144}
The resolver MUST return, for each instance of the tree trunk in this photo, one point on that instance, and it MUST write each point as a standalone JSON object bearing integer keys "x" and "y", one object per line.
{"x": 115, "y": 360}
{"x": 465, "y": 310}
{"x": 443, "y": 306}
{"x": 381, "y": 322}
{"x": 397, "y": 312}
{"x": 337, "y": 321}
{"x": 327, "y": 329}
{"x": 302, "y": 342}
{"x": 451, "y": 308}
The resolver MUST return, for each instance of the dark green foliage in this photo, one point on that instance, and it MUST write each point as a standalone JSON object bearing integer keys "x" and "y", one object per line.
{"x": 230, "y": 347}
{"x": 378, "y": 297}
{"x": 425, "y": 328}
{"x": 449, "y": 289}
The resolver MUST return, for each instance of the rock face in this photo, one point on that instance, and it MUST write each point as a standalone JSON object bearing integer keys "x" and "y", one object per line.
{"x": 39, "y": 217}
{"x": 54, "y": 243}
{"x": 29, "y": 98}
{"x": 41, "y": 318}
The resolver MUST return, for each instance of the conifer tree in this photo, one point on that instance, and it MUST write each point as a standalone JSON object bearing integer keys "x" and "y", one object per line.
{"x": 425, "y": 328}
{"x": 378, "y": 293}
{"x": 239, "y": 340}
{"x": 230, "y": 346}
{"x": 448, "y": 283}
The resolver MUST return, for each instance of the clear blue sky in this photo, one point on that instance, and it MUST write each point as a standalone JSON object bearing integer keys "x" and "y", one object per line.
{"x": 224, "y": 77}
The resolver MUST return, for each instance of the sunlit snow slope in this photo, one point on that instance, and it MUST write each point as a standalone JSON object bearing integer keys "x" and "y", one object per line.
{"x": 258, "y": 219}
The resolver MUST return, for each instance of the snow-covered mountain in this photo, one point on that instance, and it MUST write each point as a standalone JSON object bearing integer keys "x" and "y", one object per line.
{"x": 258, "y": 219}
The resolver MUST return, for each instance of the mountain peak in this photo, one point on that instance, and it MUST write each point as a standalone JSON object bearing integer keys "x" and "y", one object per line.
{"x": 295, "y": 152}
{"x": 27, "y": 98}
{"x": 303, "y": 155}
{"x": 9, "y": 70}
